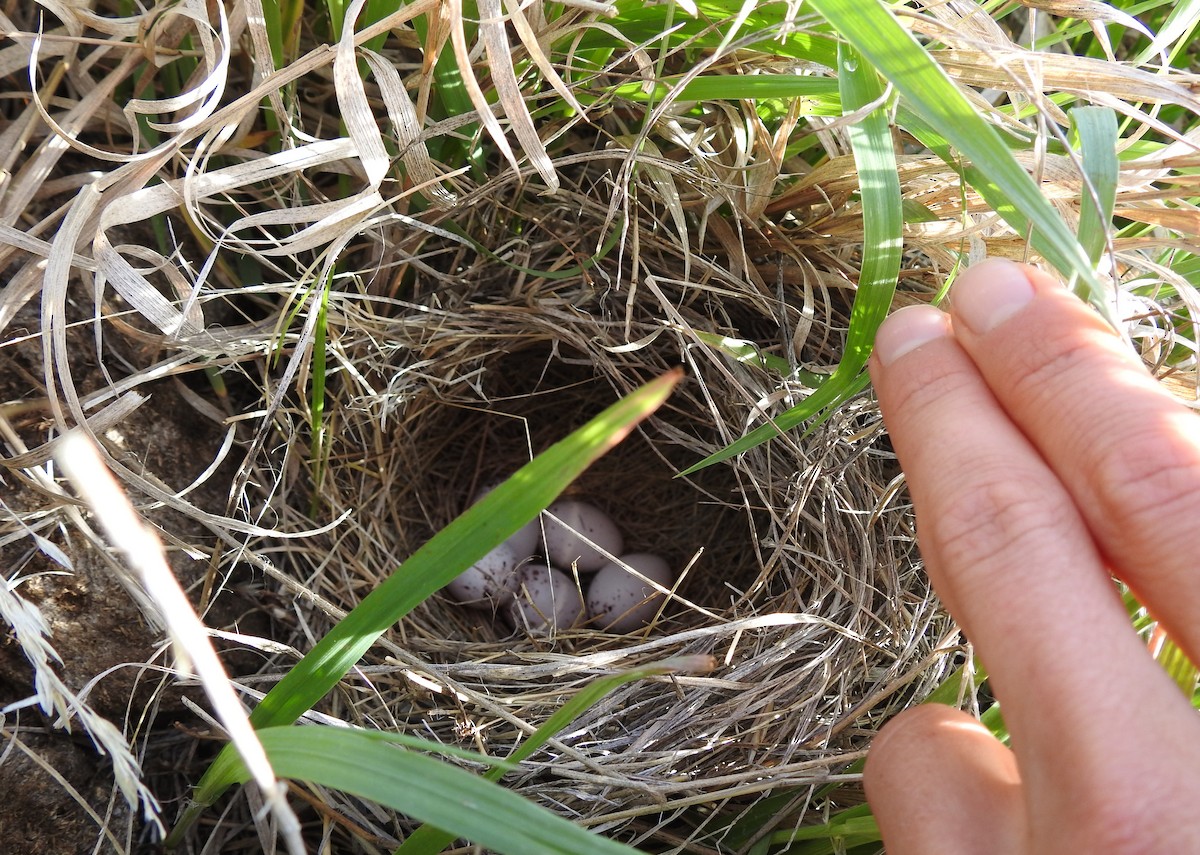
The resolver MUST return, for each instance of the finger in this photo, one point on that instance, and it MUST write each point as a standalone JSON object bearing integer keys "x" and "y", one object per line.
{"x": 1012, "y": 559}
{"x": 1127, "y": 452}
{"x": 938, "y": 782}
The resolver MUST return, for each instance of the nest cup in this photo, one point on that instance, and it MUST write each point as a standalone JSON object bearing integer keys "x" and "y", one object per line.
{"x": 530, "y": 397}
{"x": 803, "y": 585}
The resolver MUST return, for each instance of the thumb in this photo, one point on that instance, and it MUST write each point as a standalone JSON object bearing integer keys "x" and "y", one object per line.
{"x": 939, "y": 782}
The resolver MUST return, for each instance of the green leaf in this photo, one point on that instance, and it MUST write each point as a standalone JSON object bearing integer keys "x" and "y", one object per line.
{"x": 460, "y": 544}
{"x": 642, "y": 23}
{"x": 316, "y": 405}
{"x": 1095, "y": 131}
{"x": 966, "y": 677}
{"x": 929, "y": 92}
{"x": 854, "y": 826}
{"x": 819, "y": 94}
{"x": 883, "y": 230}
{"x": 353, "y": 761}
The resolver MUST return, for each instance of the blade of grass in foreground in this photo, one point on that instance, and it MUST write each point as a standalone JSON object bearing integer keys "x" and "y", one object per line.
{"x": 353, "y": 761}
{"x": 431, "y": 839}
{"x": 1094, "y": 129}
{"x": 460, "y": 544}
{"x": 883, "y": 228}
{"x": 930, "y": 93}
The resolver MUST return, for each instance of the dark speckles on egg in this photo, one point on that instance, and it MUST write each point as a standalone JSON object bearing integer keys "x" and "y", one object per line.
{"x": 546, "y": 599}
{"x": 493, "y": 577}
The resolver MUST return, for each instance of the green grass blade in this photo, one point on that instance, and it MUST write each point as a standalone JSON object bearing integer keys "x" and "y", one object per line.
{"x": 460, "y": 544}
{"x": 883, "y": 229}
{"x": 273, "y": 23}
{"x": 818, "y": 94}
{"x": 930, "y": 93}
{"x": 231, "y": 767}
{"x": 316, "y": 404}
{"x": 423, "y": 787}
{"x": 430, "y": 839}
{"x": 847, "y": 829}
{"x": 1178, "y": 29}
{"x": 1178, "y": 667}
{"x": 1174, "y": 661}
{"x": 643, "y": 23}
{"x": 742, "y": 350}
{"x": 1094, "y": 129}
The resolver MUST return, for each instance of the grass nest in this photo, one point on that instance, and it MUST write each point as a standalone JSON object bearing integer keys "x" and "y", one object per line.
{"x": 802, "y": 581}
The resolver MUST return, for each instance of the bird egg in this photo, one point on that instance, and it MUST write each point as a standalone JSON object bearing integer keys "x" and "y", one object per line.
{"x": 569, "y": 524}
{"x": 618, "y": 601}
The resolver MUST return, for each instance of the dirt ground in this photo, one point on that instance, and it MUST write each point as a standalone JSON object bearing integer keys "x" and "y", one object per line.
{"x": 59, "y": 789}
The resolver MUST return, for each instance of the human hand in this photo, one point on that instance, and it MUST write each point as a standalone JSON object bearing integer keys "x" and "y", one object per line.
{"x": 1041, "y": 457}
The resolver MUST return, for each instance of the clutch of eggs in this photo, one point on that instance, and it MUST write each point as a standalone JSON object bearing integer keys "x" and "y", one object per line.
{"x": 537, "y": 596}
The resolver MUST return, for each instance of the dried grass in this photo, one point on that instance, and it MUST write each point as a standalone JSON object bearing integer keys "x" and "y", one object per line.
{"x": 450, "y": 366}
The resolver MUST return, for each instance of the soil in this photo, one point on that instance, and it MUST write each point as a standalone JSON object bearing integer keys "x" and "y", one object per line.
{"x": 111, "y": 654}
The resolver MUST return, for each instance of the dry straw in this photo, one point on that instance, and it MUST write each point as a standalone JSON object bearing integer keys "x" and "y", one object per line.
{"x": 450, "y": 360}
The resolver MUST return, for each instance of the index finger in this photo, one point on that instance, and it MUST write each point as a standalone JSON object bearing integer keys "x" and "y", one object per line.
{"x": 1127, "y": 452}
{"x": 1014, "y": 561}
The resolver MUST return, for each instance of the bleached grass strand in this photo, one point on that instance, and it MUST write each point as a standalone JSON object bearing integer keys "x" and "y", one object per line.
{"x": 55, "y": 698}
{"x": 193, "y": 649}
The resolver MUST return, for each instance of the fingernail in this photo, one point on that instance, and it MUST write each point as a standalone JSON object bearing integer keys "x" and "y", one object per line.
{"x": 907, "y": 329}
{"x": 989, "y": 293}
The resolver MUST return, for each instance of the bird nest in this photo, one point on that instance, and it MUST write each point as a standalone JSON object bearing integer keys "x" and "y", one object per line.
{"x": 801, "y": 584}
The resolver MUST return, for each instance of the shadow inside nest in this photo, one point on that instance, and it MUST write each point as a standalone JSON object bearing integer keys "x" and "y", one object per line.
{"x": 529, "y": 399}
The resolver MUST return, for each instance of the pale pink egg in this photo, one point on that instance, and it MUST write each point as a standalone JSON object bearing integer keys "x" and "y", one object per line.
{"x": 572, "y": 524}
{"x": 618, "y": 601}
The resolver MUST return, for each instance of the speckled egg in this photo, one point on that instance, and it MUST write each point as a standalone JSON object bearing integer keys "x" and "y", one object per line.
{"x": 564, "y": 536}
{"x": 618, "y": 601}
{"x": 493, "y": 577}
{"x": 546, "y": 599}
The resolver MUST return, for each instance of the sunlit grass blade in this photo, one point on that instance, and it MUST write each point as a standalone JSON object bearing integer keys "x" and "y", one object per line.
{"x": 431, "y": 839}
{"x": 643, "y": 23}
{"x": 819, "y": 94}
{"x": 883, "y": 228}
{"x": 1178, "y": 30}
{"x": 1176, "y": 663}
{"x": 997, "y": 176}
{"x": 460, "y": 544}
{"x": 1094, "y": 131}
{"x": 354, "y": 761}
{"x": 750, "y": 353}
